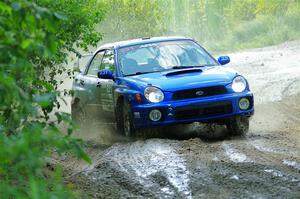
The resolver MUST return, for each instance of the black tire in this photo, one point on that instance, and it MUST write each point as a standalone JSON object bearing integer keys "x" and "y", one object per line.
{"x": 78, "y": 114}
{"x": 125, "y": 120}
{"x": 119, "y": 116}
{"x": 238, "y": 125}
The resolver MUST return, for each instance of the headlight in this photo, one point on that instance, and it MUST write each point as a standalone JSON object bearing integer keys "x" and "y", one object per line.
{"x": 154, "y": 94}
{"x": 239, "y": 84}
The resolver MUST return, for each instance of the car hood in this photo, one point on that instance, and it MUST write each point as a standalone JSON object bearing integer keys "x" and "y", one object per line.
{"x": 181, "y": 79}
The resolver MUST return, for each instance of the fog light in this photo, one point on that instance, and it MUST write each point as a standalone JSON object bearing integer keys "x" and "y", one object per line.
{"x": 155, "y": 115}
{"x": 244, "y": 103}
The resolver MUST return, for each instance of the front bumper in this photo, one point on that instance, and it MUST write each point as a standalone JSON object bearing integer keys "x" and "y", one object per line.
{"x": 192, "y": 110}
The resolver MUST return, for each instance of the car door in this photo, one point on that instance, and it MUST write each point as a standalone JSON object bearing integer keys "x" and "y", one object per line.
{"x": 91, "y": 85}
{"x": 107, "y": 85}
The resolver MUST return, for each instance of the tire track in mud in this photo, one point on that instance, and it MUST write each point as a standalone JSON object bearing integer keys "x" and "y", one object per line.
{"x": 149, "y": 168}
{"x": 271, "y": 165}
{"x": 243, "y": 172}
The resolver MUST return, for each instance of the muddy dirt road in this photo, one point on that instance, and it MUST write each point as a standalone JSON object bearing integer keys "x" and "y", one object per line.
{"x": 181, "y": 163}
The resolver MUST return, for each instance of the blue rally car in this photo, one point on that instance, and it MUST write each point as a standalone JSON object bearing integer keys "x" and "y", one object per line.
{"x": 161, "y": 81}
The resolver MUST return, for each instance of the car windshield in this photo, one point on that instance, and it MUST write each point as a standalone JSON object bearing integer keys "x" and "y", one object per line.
{"x": 160, "y": 56}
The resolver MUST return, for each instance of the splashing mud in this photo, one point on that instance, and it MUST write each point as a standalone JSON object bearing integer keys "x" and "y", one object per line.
{"x": 263, "y": 164}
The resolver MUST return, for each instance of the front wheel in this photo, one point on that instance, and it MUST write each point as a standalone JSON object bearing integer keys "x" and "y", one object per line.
{"x": 125, "y": 120}
{"x": 238, "y": 125}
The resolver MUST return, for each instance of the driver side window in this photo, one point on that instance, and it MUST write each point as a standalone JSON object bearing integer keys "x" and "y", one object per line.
{"x": 95, "y": 64}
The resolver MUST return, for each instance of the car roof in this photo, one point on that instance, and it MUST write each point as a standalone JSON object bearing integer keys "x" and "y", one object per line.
{"x": 143, "y": 40}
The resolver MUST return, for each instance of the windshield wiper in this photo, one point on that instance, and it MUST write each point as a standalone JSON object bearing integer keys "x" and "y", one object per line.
{"x": 183, "y": 67}
{"x": 140, "y": 73}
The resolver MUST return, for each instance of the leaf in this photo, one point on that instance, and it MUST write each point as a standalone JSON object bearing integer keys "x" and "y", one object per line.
{"x": 45, "y": 100}
{"x": 83, "y": 155}
{"x": 34, "y": 189}
{"x": 60, "y": 16}
{"x": 5, "y": 8}
{"x": 25, "y": 43}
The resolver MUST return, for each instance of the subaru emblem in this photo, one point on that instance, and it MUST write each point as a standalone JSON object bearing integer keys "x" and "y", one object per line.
{"x": 199, "y": 93}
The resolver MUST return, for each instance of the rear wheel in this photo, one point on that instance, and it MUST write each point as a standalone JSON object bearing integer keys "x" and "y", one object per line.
{"x": 238, "y": 125}
{"x": 78, "y": 114}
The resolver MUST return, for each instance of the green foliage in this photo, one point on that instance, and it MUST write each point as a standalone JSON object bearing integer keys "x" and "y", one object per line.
{"x": 35, "y": 37}
{"x": 273, "y": 22}
{"x": 217, "y": 24}
{"x": 129, "y": 19}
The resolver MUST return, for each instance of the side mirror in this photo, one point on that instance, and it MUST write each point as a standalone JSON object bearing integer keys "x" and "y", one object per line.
{"x": 106, "y": 74}
{"x": 223, "y": 60}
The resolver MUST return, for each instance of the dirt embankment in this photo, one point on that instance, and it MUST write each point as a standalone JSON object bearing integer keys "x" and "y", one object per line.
{"x": 264, "y": 164}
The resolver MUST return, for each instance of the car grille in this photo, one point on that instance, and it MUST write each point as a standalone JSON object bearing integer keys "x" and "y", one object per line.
{"x": 202, "y": 92}
{"x": 203, "y": 110}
